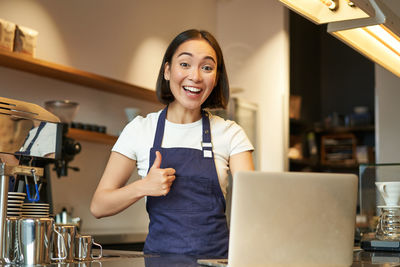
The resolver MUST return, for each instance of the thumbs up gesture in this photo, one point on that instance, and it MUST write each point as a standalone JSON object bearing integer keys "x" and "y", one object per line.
{"x": 158, "y": 181}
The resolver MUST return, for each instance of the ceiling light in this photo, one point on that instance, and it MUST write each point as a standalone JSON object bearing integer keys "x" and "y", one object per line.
{"x": 330, "y": 4}
{"x": 376, "y": 37}
{"x": 325, "y": 11}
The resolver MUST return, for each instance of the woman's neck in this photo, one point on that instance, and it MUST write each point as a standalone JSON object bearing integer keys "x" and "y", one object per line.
{"x": 181, "y": 115}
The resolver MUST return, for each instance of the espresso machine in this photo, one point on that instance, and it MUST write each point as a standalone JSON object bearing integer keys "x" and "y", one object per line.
{"x": 27, "y": 132}
{"x": 32, "y": 138}
{"x": 380, "y": 205}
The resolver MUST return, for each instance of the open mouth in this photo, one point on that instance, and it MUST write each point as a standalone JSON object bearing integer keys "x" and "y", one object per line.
{"x": 192, "y": 90}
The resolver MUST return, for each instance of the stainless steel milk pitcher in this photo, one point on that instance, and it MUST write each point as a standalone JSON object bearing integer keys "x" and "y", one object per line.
{"x": 83, "y": 248}
{"x": 35, "y": 240}
{"x": 67, "y": 239}
{"x": 11, "y": 251}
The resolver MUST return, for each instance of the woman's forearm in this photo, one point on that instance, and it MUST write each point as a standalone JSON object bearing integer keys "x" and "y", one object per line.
{"x": 108, "y": 202}
{"x": 113, "y": 194}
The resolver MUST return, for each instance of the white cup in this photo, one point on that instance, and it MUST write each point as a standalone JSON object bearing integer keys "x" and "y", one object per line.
{"x": 390, "y": 191}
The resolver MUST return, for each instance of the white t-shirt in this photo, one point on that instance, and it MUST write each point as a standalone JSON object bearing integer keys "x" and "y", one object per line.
{"x": 227, "y": 138}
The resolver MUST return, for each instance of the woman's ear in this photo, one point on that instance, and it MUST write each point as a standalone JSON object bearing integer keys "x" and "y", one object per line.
{"x": 166, "y": 71}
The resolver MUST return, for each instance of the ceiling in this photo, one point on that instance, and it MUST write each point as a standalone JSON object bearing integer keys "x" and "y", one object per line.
{"x": 394, "y": 6}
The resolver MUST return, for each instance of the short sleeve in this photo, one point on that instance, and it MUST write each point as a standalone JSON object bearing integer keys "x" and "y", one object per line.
{"x": 239, "y": 142}
{"x": 125, "y": 144}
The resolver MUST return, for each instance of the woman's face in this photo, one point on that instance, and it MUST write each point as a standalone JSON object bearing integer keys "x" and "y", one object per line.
{"x": 192, "y": 73}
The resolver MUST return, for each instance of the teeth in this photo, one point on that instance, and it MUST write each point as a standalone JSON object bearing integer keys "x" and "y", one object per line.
{"x": 192, "y": 89}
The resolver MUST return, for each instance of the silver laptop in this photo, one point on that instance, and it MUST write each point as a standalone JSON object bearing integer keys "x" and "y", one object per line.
{"x": 291, "y": 218}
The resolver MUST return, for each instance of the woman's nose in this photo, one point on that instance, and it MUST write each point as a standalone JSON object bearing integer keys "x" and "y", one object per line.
{"x": 195, "y": 75}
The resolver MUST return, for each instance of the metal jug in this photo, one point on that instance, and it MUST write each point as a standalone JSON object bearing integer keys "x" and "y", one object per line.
{"x": 67, "y": 239}
{"x": 83, "y": 248}
{"x": 35, "y": 240}
{"x": 11, "y": 251}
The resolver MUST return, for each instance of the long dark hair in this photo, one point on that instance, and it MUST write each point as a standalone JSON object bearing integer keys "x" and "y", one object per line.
{"x": 220, "y": 94}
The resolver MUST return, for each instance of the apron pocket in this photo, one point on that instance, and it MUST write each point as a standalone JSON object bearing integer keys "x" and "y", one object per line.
{"x": 188, "y": 194}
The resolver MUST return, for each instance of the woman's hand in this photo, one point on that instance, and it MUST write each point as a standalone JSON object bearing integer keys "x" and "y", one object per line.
{"x": 113, "y": 194}
{"x": 158, "y": 181}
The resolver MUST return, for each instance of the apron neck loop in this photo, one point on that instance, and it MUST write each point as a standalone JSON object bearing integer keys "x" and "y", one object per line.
{"x": 206, "y": 132}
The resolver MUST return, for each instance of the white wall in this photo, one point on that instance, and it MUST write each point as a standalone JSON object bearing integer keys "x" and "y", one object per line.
{"x": 125, "y": 39}
{"x": 254, "y": 38}
{"x": 387, "y": 96}
{"x": 387, "y": 109}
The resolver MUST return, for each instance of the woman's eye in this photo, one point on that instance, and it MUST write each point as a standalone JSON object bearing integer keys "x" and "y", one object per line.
{"x": 208, "y": 68}
{"x": 184, "y": 64}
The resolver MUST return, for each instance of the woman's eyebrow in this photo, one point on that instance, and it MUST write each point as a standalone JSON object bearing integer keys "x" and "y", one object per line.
{"x": 191, "y": 55}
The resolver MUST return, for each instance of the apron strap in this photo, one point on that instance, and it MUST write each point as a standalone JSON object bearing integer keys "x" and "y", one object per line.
{"x": 206, "y": 142}
{"x": 160, "y": 128}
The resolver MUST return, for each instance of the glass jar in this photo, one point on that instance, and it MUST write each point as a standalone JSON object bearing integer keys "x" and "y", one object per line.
{"x": 388, "y": 227}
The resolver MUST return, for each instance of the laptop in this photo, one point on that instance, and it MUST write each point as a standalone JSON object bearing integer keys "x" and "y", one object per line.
{"x": 291, "y": 218}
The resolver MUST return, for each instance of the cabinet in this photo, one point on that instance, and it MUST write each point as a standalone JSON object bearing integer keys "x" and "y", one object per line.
{"x": 336, "y": 149}
{"x": 55, "y": 71}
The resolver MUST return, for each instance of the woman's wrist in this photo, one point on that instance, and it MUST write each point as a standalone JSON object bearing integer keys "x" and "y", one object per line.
{"x": 139, "y": 190}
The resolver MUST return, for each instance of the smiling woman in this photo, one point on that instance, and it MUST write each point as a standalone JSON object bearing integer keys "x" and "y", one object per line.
{"x": 211, "y": 51}
{"x": 183, "y": 153}
{"x": 192, "y": 76}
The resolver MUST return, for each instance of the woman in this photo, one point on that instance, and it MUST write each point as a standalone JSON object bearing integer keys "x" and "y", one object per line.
{"x": 183, "y": 154}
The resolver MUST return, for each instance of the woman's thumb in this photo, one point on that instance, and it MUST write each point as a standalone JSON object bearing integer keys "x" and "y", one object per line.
{"x": 157, "y": 160}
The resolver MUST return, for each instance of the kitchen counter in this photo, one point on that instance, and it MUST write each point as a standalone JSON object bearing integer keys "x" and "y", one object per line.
{"x": 113, "y": 258}
{"x": 119, "y": 238}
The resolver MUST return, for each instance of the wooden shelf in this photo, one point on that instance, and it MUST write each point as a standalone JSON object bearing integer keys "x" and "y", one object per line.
{"x": 43, "y": 68}
{"x": 341, "y": 165}
{"x": 89, "y": 136}
{"x": 342, "y": 129}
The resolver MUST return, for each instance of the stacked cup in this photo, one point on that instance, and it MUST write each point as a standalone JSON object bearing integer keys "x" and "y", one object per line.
{"x": 388, "y": 227}
{"x": 35, "y": 210}
{"x": 15, "y": 203}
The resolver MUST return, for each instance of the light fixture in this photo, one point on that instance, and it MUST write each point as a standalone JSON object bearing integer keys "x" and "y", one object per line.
{"x": 376, "y": 37}
{"x": 368, "y": 26}
{"x": 331, "y": 4}
{"x": 325, "y": 11}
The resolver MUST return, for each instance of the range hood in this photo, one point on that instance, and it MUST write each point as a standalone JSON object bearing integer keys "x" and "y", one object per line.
{"x": 368, "y": 26}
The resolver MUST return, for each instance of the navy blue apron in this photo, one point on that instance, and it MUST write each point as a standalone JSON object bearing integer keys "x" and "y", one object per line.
{"x": 190, "y": 219}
